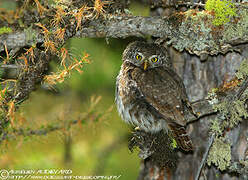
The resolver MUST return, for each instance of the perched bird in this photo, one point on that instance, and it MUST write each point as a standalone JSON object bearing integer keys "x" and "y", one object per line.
{"x": 149, "y": 93}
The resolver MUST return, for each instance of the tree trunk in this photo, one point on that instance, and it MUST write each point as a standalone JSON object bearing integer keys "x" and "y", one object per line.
{"x": 199, "y": 77}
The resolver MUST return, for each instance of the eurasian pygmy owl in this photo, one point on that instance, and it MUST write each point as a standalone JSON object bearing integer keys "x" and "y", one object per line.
{"x": 150, "y": 94}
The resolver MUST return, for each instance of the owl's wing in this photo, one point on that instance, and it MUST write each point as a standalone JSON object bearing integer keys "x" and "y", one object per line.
{"x": 164, "y": 90}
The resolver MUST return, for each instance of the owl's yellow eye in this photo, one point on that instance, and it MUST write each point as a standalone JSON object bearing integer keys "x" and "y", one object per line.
{"x": 138, "y": 57}
{"x": 154, "y": 59}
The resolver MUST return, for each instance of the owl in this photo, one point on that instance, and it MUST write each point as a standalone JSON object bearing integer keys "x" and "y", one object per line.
{"x": 149, "y": 93}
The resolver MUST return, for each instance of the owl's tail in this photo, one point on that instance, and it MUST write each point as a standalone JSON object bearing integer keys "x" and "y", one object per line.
{"x": 182, "y": 138}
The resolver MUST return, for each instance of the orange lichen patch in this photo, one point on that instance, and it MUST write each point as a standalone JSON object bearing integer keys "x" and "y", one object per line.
{"x": 209, "y": 12}
{"x": 151, "y": 172}
{"x": 168, "y": 173}
{"x": 161, "y": 174}
{"x": 186, "y": 14}
{"x": 40, "y": 8}
{"x": 194, "y": 12}
{"x": 230, "y": 85}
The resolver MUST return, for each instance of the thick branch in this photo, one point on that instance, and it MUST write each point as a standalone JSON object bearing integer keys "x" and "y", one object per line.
{"x": 185, "y": 31}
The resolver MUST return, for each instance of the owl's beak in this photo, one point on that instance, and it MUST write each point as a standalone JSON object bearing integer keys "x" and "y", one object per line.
{"x": 145, "y": 65}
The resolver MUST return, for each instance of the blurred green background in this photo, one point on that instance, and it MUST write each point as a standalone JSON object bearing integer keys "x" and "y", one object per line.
{"x": 94, "y": 148}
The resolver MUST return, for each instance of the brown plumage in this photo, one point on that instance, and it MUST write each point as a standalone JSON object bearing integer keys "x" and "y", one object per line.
{"x": 149, "y": 94}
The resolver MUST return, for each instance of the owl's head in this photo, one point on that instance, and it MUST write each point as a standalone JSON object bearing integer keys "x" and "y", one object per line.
{"x": 146, "y": 55}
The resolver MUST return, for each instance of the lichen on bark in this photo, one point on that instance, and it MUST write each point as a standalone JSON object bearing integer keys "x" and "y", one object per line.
{"x": 198, "y": 35}
{"x": 220, "y": 154}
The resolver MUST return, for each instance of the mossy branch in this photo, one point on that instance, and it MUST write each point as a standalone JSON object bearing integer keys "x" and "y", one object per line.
{"x": 192, "y": 31}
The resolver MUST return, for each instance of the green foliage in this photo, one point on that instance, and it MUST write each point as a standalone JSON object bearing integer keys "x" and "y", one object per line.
{"x": 223, "y": 10}
{"x": 220, "y": 154}
{"x": 5, "y": 30}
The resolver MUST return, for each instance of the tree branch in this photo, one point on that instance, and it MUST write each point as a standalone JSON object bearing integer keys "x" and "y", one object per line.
{"x": 203, "y": 162}
{"x": 181, "y": 29}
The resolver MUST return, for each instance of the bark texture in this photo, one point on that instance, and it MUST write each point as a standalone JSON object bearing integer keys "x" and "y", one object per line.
{"x": 199, "y": 77}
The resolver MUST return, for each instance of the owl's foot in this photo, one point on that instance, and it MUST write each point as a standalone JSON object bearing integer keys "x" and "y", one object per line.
{"x": 192, "y": 111}
{"x": 196, "y": 114}
{"x": 137, "y": 128}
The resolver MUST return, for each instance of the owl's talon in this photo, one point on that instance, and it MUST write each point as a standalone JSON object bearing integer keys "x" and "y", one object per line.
{"x": 137, "y": 128}
{"x": 196, "y": 114}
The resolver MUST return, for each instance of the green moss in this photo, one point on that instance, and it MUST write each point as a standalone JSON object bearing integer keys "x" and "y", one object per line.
{"x": 5, "y": 30}
{"x": 174, "y": 143}
{"x": 223, "y": 10}
{"x": 220, "y": 154}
